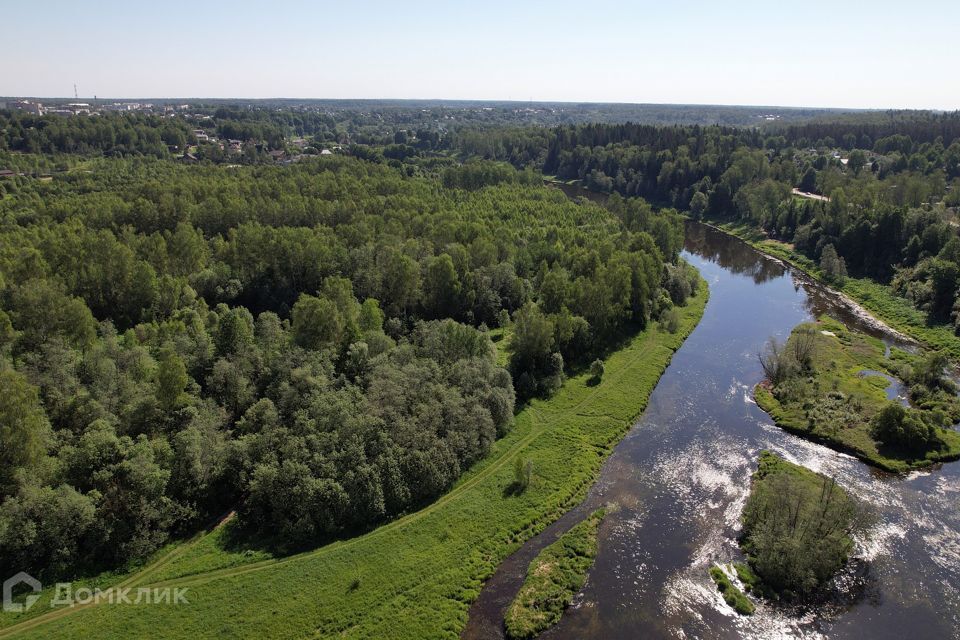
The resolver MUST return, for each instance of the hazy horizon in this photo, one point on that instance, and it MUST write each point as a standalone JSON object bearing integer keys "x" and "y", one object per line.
{"x": 691, "y": 52}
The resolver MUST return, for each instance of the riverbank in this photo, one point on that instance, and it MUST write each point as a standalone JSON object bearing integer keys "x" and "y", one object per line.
{"x": 835, "y": 399}
{"x": 553, "y": 578}
{"x": 414, "y": 577}
{"x": 897, "y": 314}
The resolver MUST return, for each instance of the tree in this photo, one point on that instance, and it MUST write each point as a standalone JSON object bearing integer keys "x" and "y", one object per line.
{"x": 522, "y": 472}
{"x": 857, "y": 161}
{"x": 930, "y": 371}
{"x": 802, "y": 345}
{"x": 832, "y": 265}
{"x": 43, "y": 530}
{"x": 234, "y": 331}
{"x": 172, "y": 379}
{"x": 944, "y": 277}
{"x": 798, "y": 527}
{"x": 316, "y": 322}
{"x": 777, "y": 363}
{"x": 532, "y": 340}
{"x": 951, "y": 160}
{"x": 371, "y": 317}
{"x": 441, "y": 287}
{"x": 808, "y": 183}
{"x": 901, "y": 427}
{"x": 24, "y": 430}
{"x": 698, "y": 205}
{"x": 596, "y": 369}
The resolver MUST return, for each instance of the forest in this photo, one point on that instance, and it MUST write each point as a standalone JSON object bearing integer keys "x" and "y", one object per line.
{"x": 890, "y": 187}
{"x": 309, "y": 345}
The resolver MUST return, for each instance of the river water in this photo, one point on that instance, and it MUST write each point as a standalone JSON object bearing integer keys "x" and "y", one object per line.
{"x": 681, "y": 476}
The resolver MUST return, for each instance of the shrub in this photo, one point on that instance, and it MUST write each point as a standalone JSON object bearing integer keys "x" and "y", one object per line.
{"x": 596, "y": 369}
{"x": 900, "y": 427}
{"x": 670, "y": 320}
{"x": 731, "y": 594}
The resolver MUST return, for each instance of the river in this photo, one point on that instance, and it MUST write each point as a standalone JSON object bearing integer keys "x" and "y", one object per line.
{"x": 681, "y": 476}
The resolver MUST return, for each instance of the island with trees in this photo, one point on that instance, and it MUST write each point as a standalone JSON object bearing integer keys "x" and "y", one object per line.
{"x": 798, "y": 533}
{"x": 832, "y": 385}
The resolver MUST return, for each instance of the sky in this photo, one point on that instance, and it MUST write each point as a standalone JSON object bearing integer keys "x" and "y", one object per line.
{"x": 852, "y": 54}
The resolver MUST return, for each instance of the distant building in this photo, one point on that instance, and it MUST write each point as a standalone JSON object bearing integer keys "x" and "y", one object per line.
{"x": 6, "y": 173}
{"x": 326, "y": 152}
{"x": 35, "y": 108}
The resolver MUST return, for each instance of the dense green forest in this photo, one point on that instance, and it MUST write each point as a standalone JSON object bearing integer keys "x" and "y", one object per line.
{"x": 891, "y": 186}
{"x": 307, "y": 344}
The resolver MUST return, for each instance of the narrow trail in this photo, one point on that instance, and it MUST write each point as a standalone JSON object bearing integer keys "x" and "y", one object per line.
{"x": 132, "y": 580}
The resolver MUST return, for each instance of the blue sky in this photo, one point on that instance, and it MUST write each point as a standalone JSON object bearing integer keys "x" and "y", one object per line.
{"x": 876, "y": 54}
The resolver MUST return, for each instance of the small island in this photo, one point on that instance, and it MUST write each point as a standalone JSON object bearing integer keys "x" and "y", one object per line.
{"x": 798, "y": 529}
{"x": 553, "y": 578}
{"x": 842, "y": 389}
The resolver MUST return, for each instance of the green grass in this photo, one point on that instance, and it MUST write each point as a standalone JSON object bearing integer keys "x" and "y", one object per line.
{"x": 879, "y": 299}
{"x": 553, "y": 578}
{"x": 834, "y": 404}
{"x": 416, "y": 576}
{"x": 501, "y": 340}
{"x": 731, "y": 593}
{"x": 746, "y": 575}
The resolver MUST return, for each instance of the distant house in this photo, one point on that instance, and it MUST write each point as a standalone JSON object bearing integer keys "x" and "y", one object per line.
{"x": 35, "y": 108}
{"x": 189, "y": 158}
{"x": 277, "y": 154}
{"x": 6, "y": 173}
{"x": 326, "y": 152}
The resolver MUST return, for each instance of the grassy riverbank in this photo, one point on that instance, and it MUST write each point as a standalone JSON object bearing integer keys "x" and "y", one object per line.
{"x": 414, "y": 577}
{"x": 878, "y": 299}
{"x": 553, "y": 578}
{"x": 834, "y": 403}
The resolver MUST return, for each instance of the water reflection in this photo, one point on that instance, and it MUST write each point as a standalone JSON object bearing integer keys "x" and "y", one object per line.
{"x": 681, "y": 478}
{"x": 709, "y": 245}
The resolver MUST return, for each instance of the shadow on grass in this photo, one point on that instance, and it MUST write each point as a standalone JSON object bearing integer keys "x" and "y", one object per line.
{"x": 514, "y": 489}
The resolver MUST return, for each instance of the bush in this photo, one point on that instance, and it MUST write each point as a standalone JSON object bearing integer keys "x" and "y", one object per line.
{"x": 731, "y": 594}
{"x": 777, "y": 362}
{"x": 900, "y": 427}
{"x": 596, "y": 369}
{"x": 670, "y": 320}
